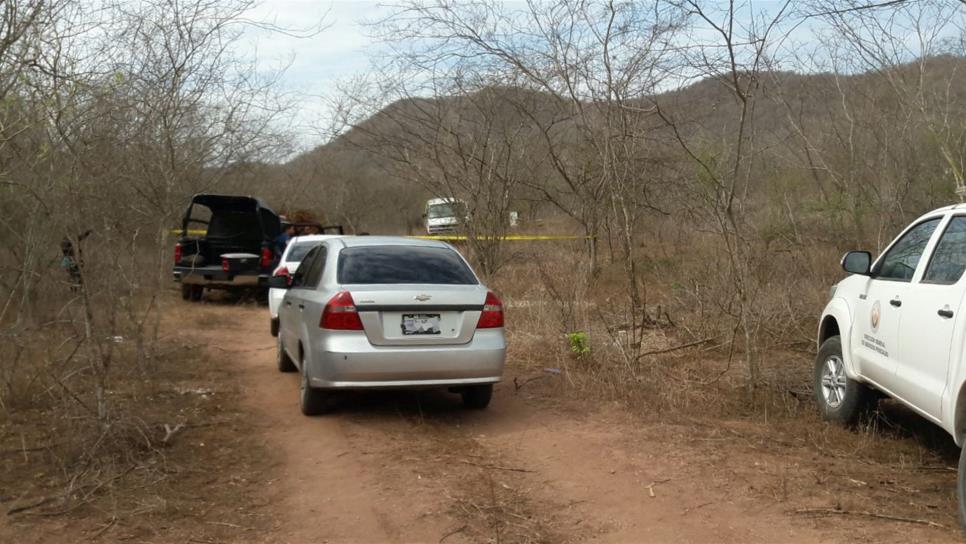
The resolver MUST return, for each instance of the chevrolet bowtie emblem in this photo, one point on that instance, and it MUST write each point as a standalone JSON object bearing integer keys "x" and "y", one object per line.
{"x": 422, "y": 298}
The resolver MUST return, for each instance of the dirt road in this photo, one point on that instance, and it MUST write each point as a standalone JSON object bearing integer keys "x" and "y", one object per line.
{"x": 535, "y": 467}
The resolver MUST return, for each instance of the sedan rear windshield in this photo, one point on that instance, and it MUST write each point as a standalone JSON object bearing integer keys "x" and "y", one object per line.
{"x": 403, "y": 264}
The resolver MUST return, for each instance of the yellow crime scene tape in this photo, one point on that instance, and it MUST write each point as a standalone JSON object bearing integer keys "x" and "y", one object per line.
{"x": 509, "y": 237}
{"x": 451, "y": 237}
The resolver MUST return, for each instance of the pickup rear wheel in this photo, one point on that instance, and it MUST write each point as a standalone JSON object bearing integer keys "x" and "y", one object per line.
{"x": 185, "y": 292}
{"x": 840, "y": 398}
{"x": 197, "y": 291}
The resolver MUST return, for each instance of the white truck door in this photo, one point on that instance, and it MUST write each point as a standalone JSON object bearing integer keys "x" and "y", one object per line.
{"x": 882, "y": 305}
{"x": 931, "y": 311}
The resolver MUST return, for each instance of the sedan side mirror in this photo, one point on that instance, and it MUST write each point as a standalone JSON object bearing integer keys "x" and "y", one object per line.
{"x": 857, "y": 262}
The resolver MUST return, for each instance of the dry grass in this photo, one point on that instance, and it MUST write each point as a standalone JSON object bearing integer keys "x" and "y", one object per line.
{"x": 689, "y": 361}
{"x": 58, "y": 460}
{"x": 168, "y": 435}
{"x": 552, "y": 292}
{"x": 896, "y": 462}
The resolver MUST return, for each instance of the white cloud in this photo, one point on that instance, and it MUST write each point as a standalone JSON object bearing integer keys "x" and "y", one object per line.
{"x": 315, "y": 64}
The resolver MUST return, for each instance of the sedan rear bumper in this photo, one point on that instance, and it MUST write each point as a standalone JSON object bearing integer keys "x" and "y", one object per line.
{"x": 346, "y": 360}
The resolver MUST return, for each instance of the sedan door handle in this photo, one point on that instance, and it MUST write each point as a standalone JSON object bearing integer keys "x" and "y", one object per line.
{"x": 945, "y": 313}
{"x": 301, "y": 306}
{"x": 895, "y": 302}
{"x": 287, "y": 303}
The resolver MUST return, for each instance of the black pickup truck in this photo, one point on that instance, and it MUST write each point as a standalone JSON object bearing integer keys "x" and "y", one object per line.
{"x": 226, "y": 242}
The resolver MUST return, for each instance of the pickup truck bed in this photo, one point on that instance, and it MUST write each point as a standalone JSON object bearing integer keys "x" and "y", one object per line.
{"x": 236, "y": 249}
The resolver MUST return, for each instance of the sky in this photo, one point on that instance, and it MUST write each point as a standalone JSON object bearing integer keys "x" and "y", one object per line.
{"x": 313, "y": 62}
{"x": 316, "y": 62}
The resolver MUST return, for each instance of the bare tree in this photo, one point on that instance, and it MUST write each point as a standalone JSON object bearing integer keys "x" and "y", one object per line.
{"x": 910, "y": 52}
{"x": 113, "y": 115}
{"x": 460, "y": 143}
{"x": 735, "y": 57}
{"x": 595, "y": 61}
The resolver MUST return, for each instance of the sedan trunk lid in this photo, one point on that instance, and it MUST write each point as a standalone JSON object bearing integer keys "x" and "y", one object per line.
{"x": 418, "y": 315}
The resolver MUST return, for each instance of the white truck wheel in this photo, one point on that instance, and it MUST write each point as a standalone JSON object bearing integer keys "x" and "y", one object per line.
{"x": 961, "y": 489}
{"x": 840, "y": 398}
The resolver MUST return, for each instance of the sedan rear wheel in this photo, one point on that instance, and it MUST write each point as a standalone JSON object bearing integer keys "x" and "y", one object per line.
{"x": 477, "y": 397}
{"x": 312, "y": 401}
{"x": 840, "y": 398}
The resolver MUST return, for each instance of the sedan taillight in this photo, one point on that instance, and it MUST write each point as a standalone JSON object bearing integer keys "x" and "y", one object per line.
{"x": 340, "y": 314}
{"x": 492, "y": 315}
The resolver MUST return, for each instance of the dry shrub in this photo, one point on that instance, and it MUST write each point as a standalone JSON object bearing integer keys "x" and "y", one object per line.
{"x": 77, "y": 458}
{"x": 99, "y": 151}
{"x": 787, "y": 284}
{"x": 682, "y": 356}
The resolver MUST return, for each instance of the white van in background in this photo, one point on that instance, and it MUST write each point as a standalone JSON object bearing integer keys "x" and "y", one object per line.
{"x": 444, "y": 215}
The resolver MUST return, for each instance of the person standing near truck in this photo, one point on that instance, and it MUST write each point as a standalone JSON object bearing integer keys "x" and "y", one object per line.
{"x": 71, "y": 260}
{"x": 282, "y": 240}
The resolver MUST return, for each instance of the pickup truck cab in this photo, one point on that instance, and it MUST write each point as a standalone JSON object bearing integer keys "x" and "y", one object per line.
{"x": 226, "y": 242}
{"x": 897, "y": 327}
{"x": 444, "y": 215}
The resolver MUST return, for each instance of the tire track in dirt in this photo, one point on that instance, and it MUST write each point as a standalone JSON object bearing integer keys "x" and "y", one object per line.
{"x": 325, "y": 486}
{"x": 385, "y": 467}
{"x": 415, "y": 467}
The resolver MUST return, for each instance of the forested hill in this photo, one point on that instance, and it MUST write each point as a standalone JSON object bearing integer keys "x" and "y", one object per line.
{"x": 830, "y": 140}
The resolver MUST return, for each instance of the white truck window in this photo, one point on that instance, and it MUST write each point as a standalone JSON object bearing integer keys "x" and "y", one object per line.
{"x": 901, "y": 261}
{"x": 949, "y": 258}
{"x": 441, "y": 210}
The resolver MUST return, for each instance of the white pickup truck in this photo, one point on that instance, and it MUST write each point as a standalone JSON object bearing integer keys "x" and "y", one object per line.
{"x": 897, "y": 326}
{"x": 444, "y": 215}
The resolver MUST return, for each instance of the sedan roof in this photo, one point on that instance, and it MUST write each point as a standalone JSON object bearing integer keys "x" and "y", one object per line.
{"x": 314, "y": 237}
{"x": 361, "y": 241}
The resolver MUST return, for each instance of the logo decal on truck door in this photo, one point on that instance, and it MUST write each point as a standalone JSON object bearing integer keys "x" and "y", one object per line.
{"x": 876, "y": 315}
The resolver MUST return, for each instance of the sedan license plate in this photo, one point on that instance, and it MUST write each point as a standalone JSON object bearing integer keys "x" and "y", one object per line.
{"x": 420, "y": 324}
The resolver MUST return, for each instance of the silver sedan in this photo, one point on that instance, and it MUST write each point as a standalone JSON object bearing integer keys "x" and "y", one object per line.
{"x": 373, "y": 312}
